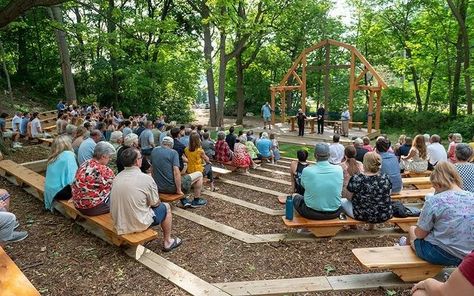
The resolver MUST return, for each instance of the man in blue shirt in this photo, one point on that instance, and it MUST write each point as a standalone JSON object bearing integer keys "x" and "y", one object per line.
{"x": 266, "y": 114}
{"x": 323, "y": 186}
{"x": 390, "y": 165}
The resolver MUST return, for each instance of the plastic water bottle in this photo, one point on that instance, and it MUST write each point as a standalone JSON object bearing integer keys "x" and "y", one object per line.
{"x": 289, "y": 208}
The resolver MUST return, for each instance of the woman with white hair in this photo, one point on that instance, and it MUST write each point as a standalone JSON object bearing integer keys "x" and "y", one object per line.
{"x": 116, "y": 139}
{"x": 91, "y": 189}
{"x": 60, "y": 172}
{"x": 456, "y": 139}
{"x": 264, "y": 146}
{"x": 241, "y": 157}
{"x": 223, "y": 152}
{"x": 130, "y": 140}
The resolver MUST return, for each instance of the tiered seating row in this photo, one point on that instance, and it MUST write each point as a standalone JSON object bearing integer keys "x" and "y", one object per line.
{"x": 104, "y": 223}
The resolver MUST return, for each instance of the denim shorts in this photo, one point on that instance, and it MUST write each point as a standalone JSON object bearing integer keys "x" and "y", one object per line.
{"x": 160, "y": 214}
{"x": 434, "y": 254}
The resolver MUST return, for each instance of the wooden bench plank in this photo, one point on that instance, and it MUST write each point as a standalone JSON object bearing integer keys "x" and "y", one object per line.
{"x": 417, "y": 193}
{"x": 414, "y": 174}
{"x": 402, "y": 260}
{"x": 170, "y": 197}
{"x": 416, "y": 181}
{"x": 220, "y": 171}
{"x": 12, "y": 281}
{"x": 327, "y": 228}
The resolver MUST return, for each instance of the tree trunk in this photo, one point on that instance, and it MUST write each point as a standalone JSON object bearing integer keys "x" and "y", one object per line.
{"x": 240, "y": 89}
{"x": 5, "y": 69}
{"x": 430, "y": 81}
{"x": 111, "y": 27}
{"x": 69, "y": 87}
{"x": 453, "y": 104}
{"x": 460, "y": 13}
{"x": 205, "y": 13}
{"x": 22, "y": 66}
{"x": 419, "y": 105}
{"x": 222, "y": 76}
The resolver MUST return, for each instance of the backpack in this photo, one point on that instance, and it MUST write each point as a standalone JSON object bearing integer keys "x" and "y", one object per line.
{"x": 401, "y": 211}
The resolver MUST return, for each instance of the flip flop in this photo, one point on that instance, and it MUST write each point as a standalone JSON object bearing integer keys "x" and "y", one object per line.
{"x": 282, "y": 199}
{"x": 176, "y": 243}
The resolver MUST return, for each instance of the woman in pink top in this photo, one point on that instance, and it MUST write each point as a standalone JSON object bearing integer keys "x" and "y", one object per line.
{"x": 456, "y": 138}
{"x": 367, "y": 144}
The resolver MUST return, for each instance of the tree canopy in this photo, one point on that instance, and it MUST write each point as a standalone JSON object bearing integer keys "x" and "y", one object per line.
{"x": 160, "y": 56}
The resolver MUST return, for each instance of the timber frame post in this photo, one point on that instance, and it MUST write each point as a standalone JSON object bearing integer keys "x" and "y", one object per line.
{"x": 358, "y": 62}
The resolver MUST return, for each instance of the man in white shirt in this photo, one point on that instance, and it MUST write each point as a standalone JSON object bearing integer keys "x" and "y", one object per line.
{"x": 436, "y": 152}
{"x": 16, "y": 122}
{"x": 336, "y": 151}
{"x": 36, "y": 129}
{"x": 345, "y": 118}
{"x": 134, "y": 201}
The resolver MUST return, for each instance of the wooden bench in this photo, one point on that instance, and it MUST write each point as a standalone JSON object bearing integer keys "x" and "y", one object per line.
{"x": 418, "y": 182}
{"x": 401, "y": 260}
{"x": 311, "y": 120}
{"x": 170, "y": 197}
{"x": 413, "y": 194}
{"x": 220, "y": 171}
{"x": 102, "y": 224}
{"x": 12, "y": 281}
{"x": 327, "y": 228}
{"x": 407, "y": 174}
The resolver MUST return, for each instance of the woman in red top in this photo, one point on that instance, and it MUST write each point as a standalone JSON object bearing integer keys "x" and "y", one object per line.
{"x": 241, "y": 156}
{"x": 93, "y": 182}
{"x": 223, "y": 152}
{"x": 460, "y": 283}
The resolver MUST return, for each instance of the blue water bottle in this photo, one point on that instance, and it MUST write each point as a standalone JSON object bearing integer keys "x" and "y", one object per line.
{"x": 289, "y": 208}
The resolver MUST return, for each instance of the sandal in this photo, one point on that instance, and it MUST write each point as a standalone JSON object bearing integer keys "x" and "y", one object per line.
{"x": 176, "y": 243}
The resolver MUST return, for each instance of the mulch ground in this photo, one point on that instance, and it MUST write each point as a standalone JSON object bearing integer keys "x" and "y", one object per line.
{"x": 60, "y": 258}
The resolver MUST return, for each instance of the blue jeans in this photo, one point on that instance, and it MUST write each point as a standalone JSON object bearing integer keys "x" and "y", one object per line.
{"x": 434, "y": 254}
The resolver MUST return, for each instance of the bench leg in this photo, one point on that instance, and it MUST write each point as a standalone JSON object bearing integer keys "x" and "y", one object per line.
{"x": 405, "y": 226}
{"x": 416, "y": 274}
{"x": 325, "y": 231}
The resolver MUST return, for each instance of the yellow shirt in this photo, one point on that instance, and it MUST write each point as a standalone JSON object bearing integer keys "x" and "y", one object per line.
{"x": 195, "y": 163}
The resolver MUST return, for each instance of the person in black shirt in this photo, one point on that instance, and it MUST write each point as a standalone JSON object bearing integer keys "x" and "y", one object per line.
{"x": 300, "y": 118}
{"x": 230, "y": 138}
{"x": 320, "y": 116}
{"x": 179, "y": 147}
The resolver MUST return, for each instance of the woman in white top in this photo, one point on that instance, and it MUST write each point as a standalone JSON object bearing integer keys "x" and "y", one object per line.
{"x": 417, "y": 158}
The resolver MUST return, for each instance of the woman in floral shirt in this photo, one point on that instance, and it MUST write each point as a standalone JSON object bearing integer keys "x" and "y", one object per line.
{"x": 371, "y": 200}
{"x": 91, "y": 189}
{"x": 223, "y": 152}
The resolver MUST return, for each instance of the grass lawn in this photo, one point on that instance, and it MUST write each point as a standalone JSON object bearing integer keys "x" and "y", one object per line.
{"x": 289, "y": 150}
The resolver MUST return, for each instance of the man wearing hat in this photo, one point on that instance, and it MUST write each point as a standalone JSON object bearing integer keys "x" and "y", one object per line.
{"x": 167, "y": 174}
{"x": 323, "y": 185}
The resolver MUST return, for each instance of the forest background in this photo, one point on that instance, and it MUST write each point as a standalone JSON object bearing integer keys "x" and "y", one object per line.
{"x": 162, "y": 56}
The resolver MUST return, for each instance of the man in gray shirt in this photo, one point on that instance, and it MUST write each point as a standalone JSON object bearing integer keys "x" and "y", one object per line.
{"x": 167, "y": 175}
{"x": 146, "y": 138}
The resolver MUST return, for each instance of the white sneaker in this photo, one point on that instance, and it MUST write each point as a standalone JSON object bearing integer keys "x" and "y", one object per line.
{"x": 17, "y": 145}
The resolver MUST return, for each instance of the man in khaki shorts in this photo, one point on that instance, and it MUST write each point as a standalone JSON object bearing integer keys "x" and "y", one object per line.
{"x": 167, "y": 175}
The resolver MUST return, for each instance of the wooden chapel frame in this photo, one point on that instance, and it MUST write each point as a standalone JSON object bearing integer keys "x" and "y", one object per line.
{"x": 301, "y": 63}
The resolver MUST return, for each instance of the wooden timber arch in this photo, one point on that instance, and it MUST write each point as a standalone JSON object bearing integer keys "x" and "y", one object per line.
{"x": 298, "y": 74}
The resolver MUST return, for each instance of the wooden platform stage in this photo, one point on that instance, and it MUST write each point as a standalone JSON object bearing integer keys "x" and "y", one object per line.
{"x": 285, "y": 135}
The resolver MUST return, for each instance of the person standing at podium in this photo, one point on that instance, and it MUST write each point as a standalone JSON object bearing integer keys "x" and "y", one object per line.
{"x": 320, "y": 116}
{"x": 300, "y": 119}
{"x": 345, "y": 118}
